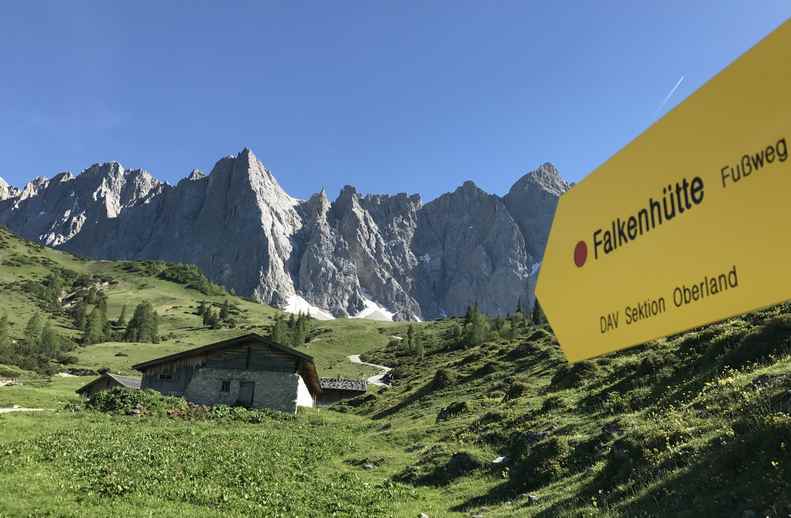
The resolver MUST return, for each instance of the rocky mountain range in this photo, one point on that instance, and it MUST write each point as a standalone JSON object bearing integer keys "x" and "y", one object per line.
{"x": 379, "y": 256}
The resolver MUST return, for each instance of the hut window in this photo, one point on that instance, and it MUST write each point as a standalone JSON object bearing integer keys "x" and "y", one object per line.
{"x": 166, "y": 376}
{"x": 226, "y": 386}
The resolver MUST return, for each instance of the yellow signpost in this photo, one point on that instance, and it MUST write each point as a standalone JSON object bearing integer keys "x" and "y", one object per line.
{"x": 688, "y": 224}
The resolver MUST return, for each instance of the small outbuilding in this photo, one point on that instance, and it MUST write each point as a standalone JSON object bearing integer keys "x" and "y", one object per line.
{"x": 338, "y": 389}
{"x": 249, "y": 370}
{"x": 107, "y": 381}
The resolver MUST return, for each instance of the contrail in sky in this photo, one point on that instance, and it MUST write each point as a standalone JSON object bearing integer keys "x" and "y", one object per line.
{"x": 669, "y": 95}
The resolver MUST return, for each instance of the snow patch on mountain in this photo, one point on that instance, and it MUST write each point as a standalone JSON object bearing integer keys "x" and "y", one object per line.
{"x": 374, "y": 311}
{"x": 297, "y": 304}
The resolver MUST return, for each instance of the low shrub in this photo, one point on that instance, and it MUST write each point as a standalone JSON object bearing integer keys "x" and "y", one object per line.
{"x": 151, "y": 403}
{"x": 552, "y": 403}
{"x": 515, "y": 391}
{"x": 539, "y": 334}
{"x": 625, "y": 454}
{"x": 772, "y": 338}
{"x": 135, "y": 402}
{"x": 535, "y": 465}
{"x": 762, "y": 442}
{"x": 439, "y": 467}
{"x": 574, "y": 375}
{"x": 453, "y": 410}
{"x": 443, "y": 378}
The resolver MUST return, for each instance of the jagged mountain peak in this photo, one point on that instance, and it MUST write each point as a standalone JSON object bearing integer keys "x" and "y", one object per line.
{"x": 245, "y": 232}
{"x": 196, "y": 175}
{"x": 469, "y": 186}
{"x": 546, "y": 178}
{"x": 33, "y": 187}
{"x": 316, "y": 207}
{"x": 246, "y": 165}
{"x": 348, "y": 191}
{"x": 6, "y": 190}
{"x": 532, "y": 201}
{"x": 65, "y": 176}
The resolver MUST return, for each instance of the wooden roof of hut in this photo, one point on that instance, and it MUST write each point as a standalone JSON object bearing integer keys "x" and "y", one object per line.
{"x": 355, "y": 385}
{"x": 124, "y": 381}
{"x": 306, "y": 369}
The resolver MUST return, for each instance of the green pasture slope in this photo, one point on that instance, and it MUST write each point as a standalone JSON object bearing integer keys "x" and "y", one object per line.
{"x": 180, "y": 326}
{"x": 692, "y": 425}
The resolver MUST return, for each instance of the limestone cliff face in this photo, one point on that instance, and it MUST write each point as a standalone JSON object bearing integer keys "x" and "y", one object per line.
{"x": 235, "y": 224}
{"x": 56, "y": 210}
{"x": 532, "y": 202}
{"x": 245, "y": 232}
{"x": 6, "y": 191}
{"x": 470, "y": 249}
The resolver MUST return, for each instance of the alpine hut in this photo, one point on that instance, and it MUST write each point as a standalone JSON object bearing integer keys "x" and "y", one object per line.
{"x": 338, "y": 389}
{"x": 248, "y": 370}
{"x": 108, "y": 381}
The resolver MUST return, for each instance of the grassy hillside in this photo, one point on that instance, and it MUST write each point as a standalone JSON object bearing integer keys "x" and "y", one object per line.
{"x": 692, "y": 425}
{"x": 25, "y": 266}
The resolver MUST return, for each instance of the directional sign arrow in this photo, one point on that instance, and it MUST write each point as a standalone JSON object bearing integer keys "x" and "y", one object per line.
{"x": 686, "y": 225}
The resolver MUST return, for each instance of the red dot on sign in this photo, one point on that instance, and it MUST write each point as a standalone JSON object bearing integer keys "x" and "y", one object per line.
{"x": 580, "y": 254}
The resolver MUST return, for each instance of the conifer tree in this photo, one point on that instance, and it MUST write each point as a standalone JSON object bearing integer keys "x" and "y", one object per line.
{"x": 49, "y": 344}
{"x": 478, "y": 329}
{"x": 122, "y": 317}
{"x": 516, "y": 321}
{"x": 95, "y": 328}
{"x": 455, "y": 331}
{"x": 499, "y": 324}
{"x": 80, "y": 314}
{"x": 410, "y": 337}
{"x": 101, "y": 304}
{"x": 538, "y": 314}
{"x": 417, "y": 345}
{"x": 279, "y": 331}
{"x": 208, "y": 316}
{"x": 302, "y": 329}
{"x": 54, "y": 287}
{"x": 213, "y": 319}
{"x": 144, "y": 324}
{"x": 298, "y": 334}
{"x": 107, "y": 331}
{"x": 90, "y": 298}
{"x": 225, "y": 311}
{"x": 5, "y": 339}
{"x": 33, "y": 331}
{"x": 468, "y": 316}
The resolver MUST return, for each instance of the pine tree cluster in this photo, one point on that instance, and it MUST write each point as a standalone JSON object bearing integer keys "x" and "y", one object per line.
{"x": 214, "y": 318}
{"x": 294, "y": 331}
{"x": 89, "y": 313}
{"x": 415, "y": 342}
{"x": 40, "y": 344}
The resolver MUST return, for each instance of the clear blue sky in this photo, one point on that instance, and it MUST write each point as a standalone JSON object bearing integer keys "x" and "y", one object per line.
{"x": 388, "y": 96}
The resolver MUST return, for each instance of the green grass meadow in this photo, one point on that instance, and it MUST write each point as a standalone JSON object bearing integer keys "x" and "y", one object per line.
{"x": 693, "y": 425}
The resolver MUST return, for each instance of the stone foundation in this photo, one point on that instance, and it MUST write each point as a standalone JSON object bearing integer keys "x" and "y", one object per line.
{"x": 275, "y": 390}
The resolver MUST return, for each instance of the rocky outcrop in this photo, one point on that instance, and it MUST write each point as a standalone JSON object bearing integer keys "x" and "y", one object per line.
{"x": 54, "y": 211}
{"x": 345, "y": 256}
{"x": 6, "y": 191}
{"x": 532, "y": 202}
{"x": 469, "y": 249}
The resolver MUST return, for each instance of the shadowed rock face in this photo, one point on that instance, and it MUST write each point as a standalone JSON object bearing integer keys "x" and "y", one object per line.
{"x": 532, "y": 201}
{"x": 470, "y": 249}
{"x": 245, "y": 232}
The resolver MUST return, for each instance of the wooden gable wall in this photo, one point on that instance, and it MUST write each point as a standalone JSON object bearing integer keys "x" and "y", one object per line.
{"x": 173, "y": 377}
